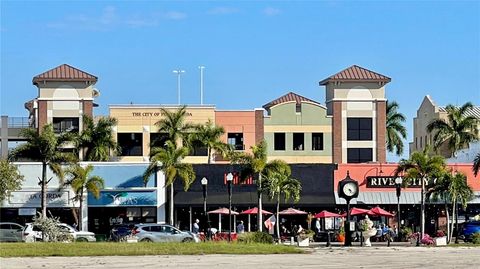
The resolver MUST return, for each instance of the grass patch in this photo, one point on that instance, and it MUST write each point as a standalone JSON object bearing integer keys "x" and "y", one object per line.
{"x": 135, "y": 249}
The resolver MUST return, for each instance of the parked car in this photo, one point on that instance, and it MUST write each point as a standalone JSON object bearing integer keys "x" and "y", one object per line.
{"x": 10, "y": 232}
{"x": 119, "y": 233}
{"x": 33, "y": 233}
{"x": 162, "y": 233}
{"x": 469, "y": 228}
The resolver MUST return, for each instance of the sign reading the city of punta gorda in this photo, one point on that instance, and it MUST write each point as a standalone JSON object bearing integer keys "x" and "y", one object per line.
{"x": 389, "y": 182}
{"x": 153, "y": 114}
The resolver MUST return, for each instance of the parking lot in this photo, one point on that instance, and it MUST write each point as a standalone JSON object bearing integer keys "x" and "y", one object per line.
{"x": 335, "y": 257}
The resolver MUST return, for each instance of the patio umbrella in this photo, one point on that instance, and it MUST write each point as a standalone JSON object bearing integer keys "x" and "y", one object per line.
{"x": 220, "y": 212}
{"x": 377, "y": 211}
{"x": 292, "y": 211}
{"x": 326, "y": 214}
{"x": 254, "y": 211}
{"x": 357, "y": 211}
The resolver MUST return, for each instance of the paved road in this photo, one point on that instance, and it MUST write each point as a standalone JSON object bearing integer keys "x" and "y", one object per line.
{"x": 356, "y": 257}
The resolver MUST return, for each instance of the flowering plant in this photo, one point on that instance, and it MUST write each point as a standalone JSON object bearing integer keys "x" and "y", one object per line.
{"x": 427, "y": 240}
{"x": 440, "y": 233}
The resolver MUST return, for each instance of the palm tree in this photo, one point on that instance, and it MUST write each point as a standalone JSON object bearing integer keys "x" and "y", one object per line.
{"x": 278, "y": 182}
{"x": 460, "y": 193}
{"x": 255, "y": 164}
{"x": 421, "y": 166}
{"x": 209, "y": 136}
{"x": 168, "y": 159}
{"x": 396, "y": 132}
{"x": 45, "y": 147}
{"x": 457, "y": 131}
{"x": 476, "y": 164}
{"x": 174, "y": 125}
{"x": 80, "y": 180}
{"x": 438, "y": 191}
{"x": 97, "y": 140}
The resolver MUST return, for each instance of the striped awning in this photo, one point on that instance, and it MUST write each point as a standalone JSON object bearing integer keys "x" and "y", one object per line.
{"x": 390, "y": 198}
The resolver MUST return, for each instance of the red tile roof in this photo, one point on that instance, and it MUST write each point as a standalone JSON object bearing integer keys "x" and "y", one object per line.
{"x": 358, "y": 74}
{"x": 64, "y": 72}
{"x": 289, "y": 97}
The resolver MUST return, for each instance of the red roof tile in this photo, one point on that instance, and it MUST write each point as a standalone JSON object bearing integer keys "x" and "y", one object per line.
{"x": 356, "y": 73}
{"x": 289, "y": 97}
{"x": 64, "y": 72}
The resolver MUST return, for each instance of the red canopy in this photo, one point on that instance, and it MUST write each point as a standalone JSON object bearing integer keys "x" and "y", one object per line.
{"x": 222, "y": 211}
{"x": 292, "y": 211}
{"x": 377, "y": 211}
{"x": 357, "y": 211}
{"x": 326, "y": 214}
{"x": 254, "y": 211}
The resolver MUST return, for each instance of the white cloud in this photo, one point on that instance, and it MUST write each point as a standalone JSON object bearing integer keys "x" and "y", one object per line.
{"x": 222, "y": 11}
{"x": 271, "y": 11}
{"x": 175, "y": 15}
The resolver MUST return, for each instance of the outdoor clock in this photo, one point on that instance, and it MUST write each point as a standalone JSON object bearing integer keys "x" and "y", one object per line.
{"x": 348, "y": 188}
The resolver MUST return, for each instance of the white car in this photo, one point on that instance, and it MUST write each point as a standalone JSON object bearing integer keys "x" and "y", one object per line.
{"x": 33, "y": 233}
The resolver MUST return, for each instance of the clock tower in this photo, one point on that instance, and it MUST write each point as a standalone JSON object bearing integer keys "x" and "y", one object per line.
{"x": 348, "y": 189}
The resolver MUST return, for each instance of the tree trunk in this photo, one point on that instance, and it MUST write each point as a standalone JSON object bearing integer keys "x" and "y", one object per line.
{"x": 209, "y": 152}
{"x": 80, "y": 214}
{"x": 422, "y": 210}
{"x": 260, "y": 207}
{"x": 171, "y": 204}
{"x": 453, "y": 215}
{"x": 44, "y": 189}
{"x": 447, "y": 214}
{"x": 278, "y": 217}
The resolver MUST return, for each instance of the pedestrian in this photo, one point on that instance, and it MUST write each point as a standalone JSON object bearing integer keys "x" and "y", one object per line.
{"x": 240, "y": 228}
{"x": 318, "y": 225}
{"x": 196, "y": 227}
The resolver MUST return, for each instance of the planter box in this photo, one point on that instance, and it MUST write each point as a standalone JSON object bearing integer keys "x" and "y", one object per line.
{"x": 304, "y": 242}
{"x": 441, "y": 241}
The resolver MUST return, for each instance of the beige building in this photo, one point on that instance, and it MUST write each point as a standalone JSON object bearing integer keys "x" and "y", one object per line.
{"x": 426, "y": 113}
{"x": 356, "y": 101}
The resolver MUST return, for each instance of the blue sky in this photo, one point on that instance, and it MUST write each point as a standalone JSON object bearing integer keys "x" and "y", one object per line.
{"x": 253, "y": 51}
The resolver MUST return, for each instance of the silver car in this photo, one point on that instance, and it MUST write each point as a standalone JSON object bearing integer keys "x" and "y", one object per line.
{"x": 10, "y": 232}
{"x": 162, "y": 233}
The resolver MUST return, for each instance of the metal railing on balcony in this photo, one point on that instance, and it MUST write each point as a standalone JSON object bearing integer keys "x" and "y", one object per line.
{"x": 18, "y": 122}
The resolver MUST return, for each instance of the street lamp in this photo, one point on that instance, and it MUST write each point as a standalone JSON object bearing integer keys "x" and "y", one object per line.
{"x": 398, "y": 186}
{"x": 204, "y": 188}
{"x": 179, "y": 72}
{"x": 229, "y": 186}
{"x": 201, "y": 83}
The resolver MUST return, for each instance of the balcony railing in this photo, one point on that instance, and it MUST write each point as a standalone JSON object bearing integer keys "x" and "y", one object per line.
{"x": 18, "y": 122}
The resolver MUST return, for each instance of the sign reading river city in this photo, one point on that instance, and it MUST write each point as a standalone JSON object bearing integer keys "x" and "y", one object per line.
{"x": 389, "y": 182}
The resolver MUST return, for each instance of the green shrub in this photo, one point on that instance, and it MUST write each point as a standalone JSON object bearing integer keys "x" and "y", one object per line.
{"x": 476, "y": 238}
{"x": 255, "y": 237}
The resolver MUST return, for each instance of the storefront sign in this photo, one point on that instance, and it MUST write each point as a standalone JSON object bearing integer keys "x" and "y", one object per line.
{"x": 389, "y": 182}
{"x": 124, "y": 198}
{"x": 153, "y": 114}
{"x": 34, "y": 198}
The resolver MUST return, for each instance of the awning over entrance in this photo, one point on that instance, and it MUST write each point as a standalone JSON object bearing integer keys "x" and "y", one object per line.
{"x": 390, "y": 198}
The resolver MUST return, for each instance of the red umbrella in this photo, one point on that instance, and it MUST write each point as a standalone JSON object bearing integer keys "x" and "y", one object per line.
{"x": 357, "y": 211}
{"x": 222, "y": 211}
{"x": 292, "y": 211}
{"x": 254, "y": 211}
{"x": 326, "y": 214}
{"x": 377, "y": 211}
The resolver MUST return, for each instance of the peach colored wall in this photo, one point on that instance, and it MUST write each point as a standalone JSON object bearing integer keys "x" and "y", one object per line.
{"x": 238, "y": 122}
{"x": 360, "y": 172}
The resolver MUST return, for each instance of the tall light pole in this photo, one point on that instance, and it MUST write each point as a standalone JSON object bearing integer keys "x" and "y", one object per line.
{"x": 229, "y": 186}
{"x": 179, "y": 72}
{"x": 398, "y": 186}
{"x": 201, "y": 83}
{"x": 204, "y": 188}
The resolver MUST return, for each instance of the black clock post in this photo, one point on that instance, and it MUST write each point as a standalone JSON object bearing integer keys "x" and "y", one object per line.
{"x": 348, "y": 189}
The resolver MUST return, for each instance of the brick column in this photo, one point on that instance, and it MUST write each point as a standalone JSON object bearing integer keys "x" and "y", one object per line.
{"x": 381, "y": 131}
{"x": 42, "y": 114}
{"x": 337, "y": 132}
{"x": 259, "y": 130}
{"x": 88, "y": 108}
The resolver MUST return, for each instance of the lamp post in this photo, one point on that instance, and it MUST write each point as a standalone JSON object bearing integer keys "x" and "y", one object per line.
{"x": 398, "y": 186}
{"x": 179, "y": 72}
{"x": 204, "y": 188}
{"x": 229, "y": 186}
{"x": 201, "y": 83}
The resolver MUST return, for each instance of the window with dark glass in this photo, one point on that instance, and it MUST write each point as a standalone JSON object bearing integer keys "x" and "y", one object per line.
{"x": 236, "y": 140}
{"x": 279, "y": 141}
{"x": 298, "y": 108}
{"x": 359, "y": 155}
{"x": 130, "y": 143}
{"x": 359, "y": 129}
{"x": 158, "y": 139}
{"x": 61, "y": 125}
{"x": 198, "y": 149}
{"x": 317, "y": 141}
{"x": 298, "y": 141}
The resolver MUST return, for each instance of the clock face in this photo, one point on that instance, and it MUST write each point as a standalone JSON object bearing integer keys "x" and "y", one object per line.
{"x": 350, "y": 189}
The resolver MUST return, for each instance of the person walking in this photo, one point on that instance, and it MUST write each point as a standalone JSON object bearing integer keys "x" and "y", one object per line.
{"x": 240, "y": 228}
{"x": 196, "y": 227}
